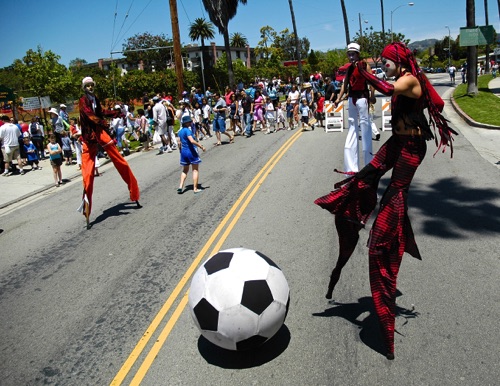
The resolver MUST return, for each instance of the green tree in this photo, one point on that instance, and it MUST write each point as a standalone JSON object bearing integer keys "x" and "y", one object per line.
{"x": 372, "y": 43}
{"x": 202, "y": 29}
{"x": 284, "y": 41}
{"x": 139, "y": 47}
{"x": 238, "y": 40}
{"x": 77, "y": 62}
{"x": 42, "y": 75}
{"x": 220, "y": 12}
{"x": 313, "y": 60}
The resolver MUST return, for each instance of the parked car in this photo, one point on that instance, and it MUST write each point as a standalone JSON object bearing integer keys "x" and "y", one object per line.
{"x": 379, "y": 73}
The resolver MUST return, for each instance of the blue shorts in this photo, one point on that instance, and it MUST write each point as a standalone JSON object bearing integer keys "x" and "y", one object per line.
{"x": 219, "y": 124}
{"x": 189, "y": 157}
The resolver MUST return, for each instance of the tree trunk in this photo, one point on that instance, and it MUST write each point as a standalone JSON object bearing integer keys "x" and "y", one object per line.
{"x": 471, "y": 51}
{"x": 383, "y": 28}
{"x": 487, "y": 60}
{"x": 346, "y": 23}
{"x": 203, "y": 64}
{"x": 177, "y": 48}
{"x": 230, "y": 71}
{"x": 297, "y": 44}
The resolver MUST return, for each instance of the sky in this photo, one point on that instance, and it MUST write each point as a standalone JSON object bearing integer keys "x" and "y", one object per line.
{"x": 90, "y": 30}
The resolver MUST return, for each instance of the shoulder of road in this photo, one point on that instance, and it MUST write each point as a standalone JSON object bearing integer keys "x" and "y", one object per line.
{"x": 17, "y": 188}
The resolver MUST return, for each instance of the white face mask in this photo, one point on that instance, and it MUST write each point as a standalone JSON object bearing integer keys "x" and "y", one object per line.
{"x": 89, "y": 88}
{"x": 353, "y": 56}
{"x": 389, "y": 67}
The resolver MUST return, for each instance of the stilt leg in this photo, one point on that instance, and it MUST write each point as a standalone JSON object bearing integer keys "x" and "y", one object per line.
{"x": 348, "y": 233}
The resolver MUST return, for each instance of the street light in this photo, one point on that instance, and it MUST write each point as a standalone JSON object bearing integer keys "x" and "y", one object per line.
{"x": 360, "y": 25}
{"x": 394, "y": 10}
{"x": 361, "y": 28}
{"x": 449, "y": 46}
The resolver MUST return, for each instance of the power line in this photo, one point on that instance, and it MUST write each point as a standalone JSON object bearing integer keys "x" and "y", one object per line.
{"x": 131, "y": 25}
{"x": 124, "y": 21}
{"x": 114, "y": 23}
{"x": 185, "y": 11}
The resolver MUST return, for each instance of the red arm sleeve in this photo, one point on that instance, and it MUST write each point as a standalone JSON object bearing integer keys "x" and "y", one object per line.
{"x": 380, "y": 85}
{"x": 86, "y": 110}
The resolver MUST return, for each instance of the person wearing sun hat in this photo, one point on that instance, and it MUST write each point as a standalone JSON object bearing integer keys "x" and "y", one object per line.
{"x": 57, "y": 124}
{"x": 94, "y": 128}
{"x": 359, "y": 96}
{"x": 189, "y": 154}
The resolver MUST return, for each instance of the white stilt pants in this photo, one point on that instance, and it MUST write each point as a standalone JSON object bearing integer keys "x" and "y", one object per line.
{"x": 351, "y": 148}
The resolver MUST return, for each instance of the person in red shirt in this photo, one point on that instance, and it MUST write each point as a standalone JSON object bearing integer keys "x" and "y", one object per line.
{"x": 320, "y": 108}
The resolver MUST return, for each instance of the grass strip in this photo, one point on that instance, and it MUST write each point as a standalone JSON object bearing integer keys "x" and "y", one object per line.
{"x": 483, "y": 107}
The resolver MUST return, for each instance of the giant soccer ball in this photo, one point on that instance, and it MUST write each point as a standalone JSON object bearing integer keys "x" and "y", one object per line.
{"x": 239, "y": 299}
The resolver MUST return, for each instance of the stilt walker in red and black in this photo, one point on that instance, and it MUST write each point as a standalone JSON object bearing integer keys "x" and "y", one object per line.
{"x": 355, "y": 198}
{"x": 94, "y": 133}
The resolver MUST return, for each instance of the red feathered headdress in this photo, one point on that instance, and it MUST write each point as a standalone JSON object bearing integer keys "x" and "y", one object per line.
{"x": 400, "y": 54}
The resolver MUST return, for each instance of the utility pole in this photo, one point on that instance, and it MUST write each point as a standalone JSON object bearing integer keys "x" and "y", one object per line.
{"x": 297, "y": 45}
{"x": 487, "y": 59}
{"x": 177, "y": 48}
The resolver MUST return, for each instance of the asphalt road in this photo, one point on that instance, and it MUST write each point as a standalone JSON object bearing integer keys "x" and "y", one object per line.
{"x": 101, "y": 306}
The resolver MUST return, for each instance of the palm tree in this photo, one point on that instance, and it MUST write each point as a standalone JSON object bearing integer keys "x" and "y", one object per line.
{"x": 202, "y": 29}
{"x": 220, "y": 12}
{"x": 238, "y": 40}
{"x": 346, "y": 23}
{"x": 297, "y": 45}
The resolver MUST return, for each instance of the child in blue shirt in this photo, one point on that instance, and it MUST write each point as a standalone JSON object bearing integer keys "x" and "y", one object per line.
{"x": 66, "y": 148}
{"x": 31, "y": 154}
{"x": 304, "y": 113}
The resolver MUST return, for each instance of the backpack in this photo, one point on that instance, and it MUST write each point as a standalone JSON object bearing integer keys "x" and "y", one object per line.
{"x": 33, "y": 129}
{"x": 170, "y": 116}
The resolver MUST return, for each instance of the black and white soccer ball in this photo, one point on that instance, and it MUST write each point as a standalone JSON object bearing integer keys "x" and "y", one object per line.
{"x": 239, "y": 299}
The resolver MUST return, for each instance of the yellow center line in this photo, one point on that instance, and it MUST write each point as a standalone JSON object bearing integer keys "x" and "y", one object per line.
{"x": 136, "y": 352}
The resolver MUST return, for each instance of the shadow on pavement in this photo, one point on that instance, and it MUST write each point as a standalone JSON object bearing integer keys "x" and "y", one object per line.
{"x": 369, "y": 327}
{"x": 117, "y": 210}
{"x": 449, "y": 208}
{"x": 228, "y": 359}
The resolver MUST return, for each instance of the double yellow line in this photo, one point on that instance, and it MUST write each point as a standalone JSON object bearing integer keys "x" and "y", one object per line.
{"x": 241, "y": 203}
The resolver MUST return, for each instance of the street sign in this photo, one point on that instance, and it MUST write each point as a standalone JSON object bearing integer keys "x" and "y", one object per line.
{"x": 477, "y": 36}
{"x": 6, "y": 94}
{"x": 31, "y": 103}
{"x": 45, "y": 102}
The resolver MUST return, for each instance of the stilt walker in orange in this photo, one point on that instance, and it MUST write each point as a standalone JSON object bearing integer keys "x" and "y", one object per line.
{"x": 94, "y": 133}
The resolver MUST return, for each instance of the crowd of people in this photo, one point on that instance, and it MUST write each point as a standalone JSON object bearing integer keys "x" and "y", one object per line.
{"x": 266, "y": 105}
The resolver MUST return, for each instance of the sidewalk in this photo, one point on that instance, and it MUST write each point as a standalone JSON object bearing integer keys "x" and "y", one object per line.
{"x": 16, "y": 187}
{"x": 494, "y": 86}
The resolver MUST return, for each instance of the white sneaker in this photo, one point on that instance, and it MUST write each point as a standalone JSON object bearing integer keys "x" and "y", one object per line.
{"x": 5, "y": 173}
{"x": 169, "y": 149}
{"x": 267, "y": 132}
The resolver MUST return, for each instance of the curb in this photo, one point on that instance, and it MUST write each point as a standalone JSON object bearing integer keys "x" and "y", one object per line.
{"x": 51, "y": 185}
{"x": 469, "y": 120}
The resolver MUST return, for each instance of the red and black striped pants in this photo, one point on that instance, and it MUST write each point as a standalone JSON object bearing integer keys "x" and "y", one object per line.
{"x": 391, "y": 234}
